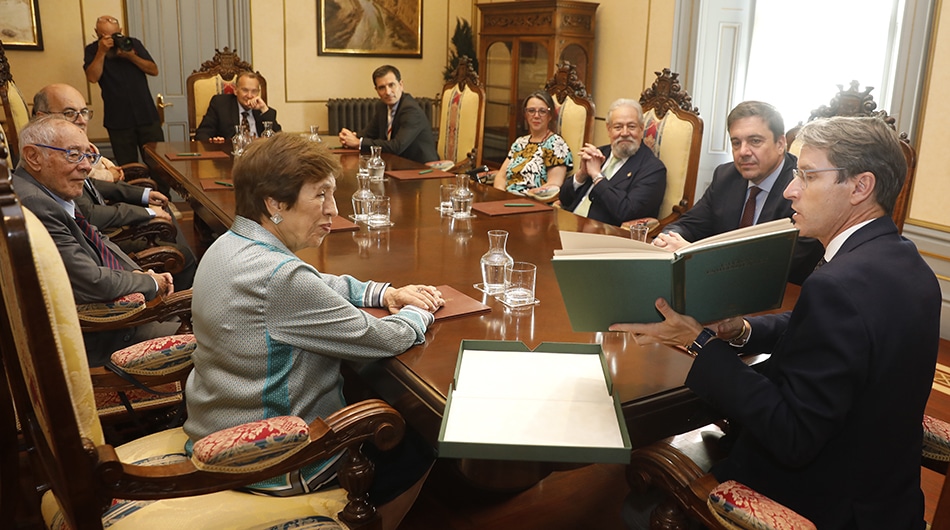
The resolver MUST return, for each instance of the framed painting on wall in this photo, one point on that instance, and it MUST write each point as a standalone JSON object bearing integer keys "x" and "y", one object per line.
{"x": 20, "y": 25}
{"x": 373, "y": 28}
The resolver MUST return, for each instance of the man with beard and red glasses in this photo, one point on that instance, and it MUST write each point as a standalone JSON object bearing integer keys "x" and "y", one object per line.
{"x": 749, "y": 190}
{"x": 620, "y": 181}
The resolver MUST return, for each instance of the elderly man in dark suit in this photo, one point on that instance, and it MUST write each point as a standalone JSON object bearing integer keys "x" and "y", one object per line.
{"x": 399, "y": 125}
{"x": 858, "y": 349}
{"x": 55, "y": 158}
{"x": 620, "y": 181}
{"x": 107, "y": 204}
{"x": 245, "y": 107}
{"x": 748, "y": 190}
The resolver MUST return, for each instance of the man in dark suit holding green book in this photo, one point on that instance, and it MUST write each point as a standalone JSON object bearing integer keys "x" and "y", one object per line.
{"x": 858, "y": 348}
{"x": 748, "y": 190}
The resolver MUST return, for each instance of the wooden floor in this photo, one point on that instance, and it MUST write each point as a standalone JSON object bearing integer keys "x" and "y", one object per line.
{"x": 588, "y": 497}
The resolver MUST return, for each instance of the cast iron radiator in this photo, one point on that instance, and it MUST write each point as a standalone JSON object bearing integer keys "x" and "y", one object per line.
{"x": 356, "y": 113}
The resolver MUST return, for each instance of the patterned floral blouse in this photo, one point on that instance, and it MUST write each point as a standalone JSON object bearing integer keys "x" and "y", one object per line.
{"x": 530, "y": 162}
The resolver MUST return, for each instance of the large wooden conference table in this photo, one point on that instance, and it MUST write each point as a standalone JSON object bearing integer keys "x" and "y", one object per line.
{"x": 425, "y": 247}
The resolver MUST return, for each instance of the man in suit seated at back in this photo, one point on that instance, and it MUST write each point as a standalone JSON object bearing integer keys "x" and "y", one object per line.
{"x": 245, "y": 108}
{"x": 620, "y": 181}
{"x": 55, "y": 158}
{"x": 749, "y": 190}
{"x": 399, "y": 126}
{"x": 127, "y": 204}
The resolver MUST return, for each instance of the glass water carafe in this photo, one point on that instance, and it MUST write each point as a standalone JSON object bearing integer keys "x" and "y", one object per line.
{"x": 362, "y": 198}
{"x": 494, "y": 262}
{"x": 268, "y": 129}
{"x": 462, "y": 198}
{"x": 315, "y": 133}
{"x": 376, "y": 165}
{"x": 239, "y": 141}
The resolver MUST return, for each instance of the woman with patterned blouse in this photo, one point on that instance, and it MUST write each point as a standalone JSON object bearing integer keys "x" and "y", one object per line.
{"x": 540, "y": 159}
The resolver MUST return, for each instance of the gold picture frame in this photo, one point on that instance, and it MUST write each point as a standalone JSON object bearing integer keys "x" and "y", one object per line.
{"x": 20, "y": 25}
{"x": 393, "y": 30}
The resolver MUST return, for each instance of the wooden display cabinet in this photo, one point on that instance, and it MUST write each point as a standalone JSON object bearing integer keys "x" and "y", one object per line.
{"x": 520, "y": 45}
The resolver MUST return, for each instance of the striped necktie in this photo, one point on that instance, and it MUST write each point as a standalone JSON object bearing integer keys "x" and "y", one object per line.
{"x": 108, "y": 258}
{"x": 389, "y": 126}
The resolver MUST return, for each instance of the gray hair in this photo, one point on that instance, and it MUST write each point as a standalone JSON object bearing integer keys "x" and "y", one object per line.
{"x": 859, "y": 145}
{"x": 42, "y": 130}
{"x": 625, "y": 102}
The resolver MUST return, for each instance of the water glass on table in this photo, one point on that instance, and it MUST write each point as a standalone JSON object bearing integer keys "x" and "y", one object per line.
{"x": 519, "y": 283}
{"x": 639, "y": 232}
{"x": 445, "y": 198}
{"x": 379, "y": 212}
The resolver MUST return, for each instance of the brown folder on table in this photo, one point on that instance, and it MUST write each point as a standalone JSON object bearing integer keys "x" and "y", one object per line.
{"x": 510, "y": 207}
{"x": 457, "y": 304}
{"x": 217, "y": 184}
{"x": 413, "y": 174}
{"x": 342, "y": 224}
{"x": 175, "y": 157}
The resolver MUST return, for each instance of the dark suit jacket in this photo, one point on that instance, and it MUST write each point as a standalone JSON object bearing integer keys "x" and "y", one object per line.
{"x": 720, "y": 208}
{"x": 636, "y": 190}
{"x": 124, "y": 208}
{"x": 412, "y": 131}
{"x": 831, "y": 425}
{"x": 222, "y": 117}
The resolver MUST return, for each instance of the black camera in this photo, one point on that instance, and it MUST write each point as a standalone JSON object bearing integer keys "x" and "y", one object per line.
{"x": 122, "y": 42}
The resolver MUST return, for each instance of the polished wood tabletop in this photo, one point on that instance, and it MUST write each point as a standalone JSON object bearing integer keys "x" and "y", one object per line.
{"x": 424, "y": 246}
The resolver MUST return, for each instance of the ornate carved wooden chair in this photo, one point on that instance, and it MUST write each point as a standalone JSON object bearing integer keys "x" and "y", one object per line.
{"x": 461, "y": 120}
{"x": 16, "y": 114}
{"x": 855, "y": 102}
{"x": 574, "y": 106}
{"x": 217, "y": 76}
{"x": 674, "y": 130}
{"x": 150, "y": 482}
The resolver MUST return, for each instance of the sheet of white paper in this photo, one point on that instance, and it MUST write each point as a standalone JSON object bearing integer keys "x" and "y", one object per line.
{"x": 531, "y": 375}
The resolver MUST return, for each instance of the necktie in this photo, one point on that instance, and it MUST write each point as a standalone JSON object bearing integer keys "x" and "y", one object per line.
{"x": 821, "y": 263}
{"x": 96, "y": 196}
{"x": 108, "y": 258}
{"x": 583, "y": 208}
{"x": 748, "y": 213}
{"x": 389, "y": 126}
{"x": 245, "y": 125}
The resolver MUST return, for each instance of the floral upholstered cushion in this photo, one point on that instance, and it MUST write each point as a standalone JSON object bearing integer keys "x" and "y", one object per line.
{"x": 246, "y": 447}
{"x": 740, "y": 505}
{"x": 156, "y": 356}
{"x": 114, "y": 310}
{"x": 936, "y": 439}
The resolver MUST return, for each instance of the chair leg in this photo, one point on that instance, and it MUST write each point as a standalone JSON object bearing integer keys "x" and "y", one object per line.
{"x": 356, "y": 476}
{"x": 668, "y": 515}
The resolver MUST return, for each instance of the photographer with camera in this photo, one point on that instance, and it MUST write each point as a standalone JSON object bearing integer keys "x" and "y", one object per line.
{"x": 119, "y": 64}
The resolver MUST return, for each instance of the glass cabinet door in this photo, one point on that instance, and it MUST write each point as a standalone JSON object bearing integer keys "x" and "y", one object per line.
{"x": 498, "y": 94}
{"x": 532, "y": 75}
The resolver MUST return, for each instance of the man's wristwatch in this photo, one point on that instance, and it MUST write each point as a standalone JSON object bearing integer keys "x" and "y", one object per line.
{"x": 696, "y": 346}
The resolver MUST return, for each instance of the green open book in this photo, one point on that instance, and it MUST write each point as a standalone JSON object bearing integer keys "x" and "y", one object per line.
{"x": 608, "y": 279}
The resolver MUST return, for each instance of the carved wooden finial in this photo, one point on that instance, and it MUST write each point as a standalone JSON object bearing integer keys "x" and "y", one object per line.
{"x": 566, "y": 83}
{"x": 666, "y": 93}
{"x": 225, "y": 63}
{"x": 464, "y": 75}
{"x": 5, "y": 75}
{"x": 853, "y": 102}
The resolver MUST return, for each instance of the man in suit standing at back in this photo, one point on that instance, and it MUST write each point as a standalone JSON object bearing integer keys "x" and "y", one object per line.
{"x": 399, "y": 126}
{"x": 245, "y": 108}
{"x": 749, "y": 190}
{"x": 620, "y": 181}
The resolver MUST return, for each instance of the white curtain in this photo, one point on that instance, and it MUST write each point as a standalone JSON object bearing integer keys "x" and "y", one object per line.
{"x": 802, "y": 50}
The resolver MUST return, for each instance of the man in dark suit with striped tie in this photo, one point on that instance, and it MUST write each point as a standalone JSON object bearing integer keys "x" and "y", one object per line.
{"x": 748, "y": 190}
{"x": 55, "y": 157}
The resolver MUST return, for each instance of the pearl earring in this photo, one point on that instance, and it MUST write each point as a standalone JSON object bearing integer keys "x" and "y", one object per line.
{"x": 276, "y": 218}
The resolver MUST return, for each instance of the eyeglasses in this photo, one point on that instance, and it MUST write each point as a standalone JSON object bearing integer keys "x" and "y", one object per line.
{"x": 73, "y": 115}
{"x": 619, "y": 127}
{"x": 539, "y": 112}
{"x": 805, "y": 176}
{"x": 74, "y": 156}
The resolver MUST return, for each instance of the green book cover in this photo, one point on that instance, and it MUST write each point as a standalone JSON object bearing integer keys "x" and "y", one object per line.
{"x": 608, "y": 279}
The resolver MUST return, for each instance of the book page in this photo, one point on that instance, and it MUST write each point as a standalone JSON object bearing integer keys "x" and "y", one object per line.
{"x": 612, "y": 247}
{"x": 532, "y": 398}
{"x": 739, "y": 234}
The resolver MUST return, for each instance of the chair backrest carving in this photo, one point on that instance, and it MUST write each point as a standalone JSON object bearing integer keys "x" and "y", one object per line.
{"x": 575, "y": 108}
{"x": 462, "y": 115}
{"x": 854, "y": 102}
{"x": 216, "y": 76}
{"x": 16, "y": 113}
{"x": 674, "y": 131}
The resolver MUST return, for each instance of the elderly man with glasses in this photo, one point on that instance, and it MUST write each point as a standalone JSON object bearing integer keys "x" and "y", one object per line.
{"x": 617, "y": 182}
{"x": 55, "y": 158}
{"x": 245, "y": 109}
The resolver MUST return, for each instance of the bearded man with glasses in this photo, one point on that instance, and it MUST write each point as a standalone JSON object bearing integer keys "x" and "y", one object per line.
{"x": 620, "y": 181}
{"x": 55, "y": 158}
